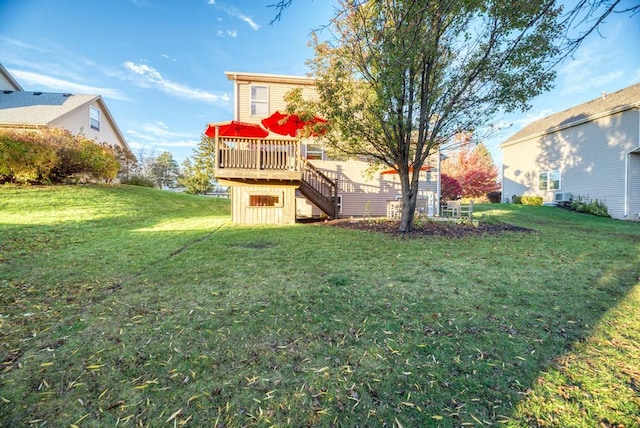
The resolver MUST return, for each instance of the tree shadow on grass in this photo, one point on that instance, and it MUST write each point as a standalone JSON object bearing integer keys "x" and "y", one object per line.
{"x": 321, "y": 327}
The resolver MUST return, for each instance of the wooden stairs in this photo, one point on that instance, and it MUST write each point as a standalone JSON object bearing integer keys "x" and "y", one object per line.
{"x": 319, "y": 189}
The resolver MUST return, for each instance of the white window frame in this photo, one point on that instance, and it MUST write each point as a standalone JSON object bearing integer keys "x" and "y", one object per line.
{"x": 316, "y": 152}
{"x": 546, "y": 179}
{"x": 95, "y": 118}
{"x": 258, "y": 106}
{"x": 339, "y": 204}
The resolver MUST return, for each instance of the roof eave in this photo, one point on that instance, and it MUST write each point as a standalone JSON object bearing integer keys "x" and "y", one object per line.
{"x": 269, "y": 78}
{"x": 553, "y": 129}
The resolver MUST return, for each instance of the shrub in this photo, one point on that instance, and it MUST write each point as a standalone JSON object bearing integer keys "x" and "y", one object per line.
{"x": 532, "y": 200}
{"x": 583, "y": 204}
{"x": 137, "y": 180}
{"x": 53, "y": 156}
{"x": 24, "y": 157}
{"x": 516, "y": 199}
{"x": 494, "y": 197}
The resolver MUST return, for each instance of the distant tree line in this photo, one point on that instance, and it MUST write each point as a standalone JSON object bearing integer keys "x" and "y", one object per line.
{"x": 195, "y": 174}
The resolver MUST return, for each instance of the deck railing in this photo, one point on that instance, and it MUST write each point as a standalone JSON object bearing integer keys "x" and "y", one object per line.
{"x": 251, "y": 153}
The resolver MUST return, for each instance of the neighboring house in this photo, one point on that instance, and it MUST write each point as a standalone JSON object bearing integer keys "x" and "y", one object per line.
{"x": 86, "y": 114}
{"x": 7, "y": 82}
{"x": 293, "y": 179}
{"x": 591, "y": 150}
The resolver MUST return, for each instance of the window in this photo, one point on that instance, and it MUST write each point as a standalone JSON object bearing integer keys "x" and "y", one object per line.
{"x": 94, "y": 118}
{"x": 549, "y": 180}
{"x": 259, "y": 100}
{"x": 315, "y": 151}
{"x": 339, "y": 204}
{"x": 265, "y": 200}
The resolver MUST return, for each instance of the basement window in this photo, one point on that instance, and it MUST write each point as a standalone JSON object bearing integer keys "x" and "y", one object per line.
{"x": 265, "y": 200}
{"x": 94, "y": 118}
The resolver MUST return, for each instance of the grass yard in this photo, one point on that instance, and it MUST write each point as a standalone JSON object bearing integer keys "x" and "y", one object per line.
{"x": 125, "y": 306}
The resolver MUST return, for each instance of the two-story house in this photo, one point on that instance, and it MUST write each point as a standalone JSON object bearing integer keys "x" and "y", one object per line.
{"x": 591, "y": 150}
{"x": 87, "y": 114}
{"x": 278, "y": 179}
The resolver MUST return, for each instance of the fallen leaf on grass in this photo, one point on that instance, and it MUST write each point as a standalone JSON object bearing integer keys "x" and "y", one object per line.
{"x": 173, "y": 416}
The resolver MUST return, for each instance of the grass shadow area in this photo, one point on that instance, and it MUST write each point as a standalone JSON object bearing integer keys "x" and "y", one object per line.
{"x": 310, "y": 325}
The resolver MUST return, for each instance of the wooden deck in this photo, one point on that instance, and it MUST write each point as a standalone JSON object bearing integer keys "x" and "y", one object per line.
{"x": 257, "y": 159}
{"x": 263, "y": 167}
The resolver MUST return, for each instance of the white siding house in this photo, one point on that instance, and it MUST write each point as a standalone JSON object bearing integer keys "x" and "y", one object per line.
{"x": 360, "y": 192}
{"x": 591, "y": 150}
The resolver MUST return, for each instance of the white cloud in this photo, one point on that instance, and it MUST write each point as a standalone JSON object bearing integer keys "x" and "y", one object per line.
{"x": 532, "y": 117}
{"x": 232, "y": 33}
{"x": 149, "y": 77}
{"x": 29, "y": 79}
{"x": 248, "y": 20}
{"x": 232, "y": 11}
{"x": 157, "y": 137}
{"x": 157, "y": 131}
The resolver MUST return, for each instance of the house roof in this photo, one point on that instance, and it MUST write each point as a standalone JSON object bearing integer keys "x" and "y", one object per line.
{"x": 26, "y": 108}
{"x": 269, "y": 78}
{"x": 33, "y": 109}
{"x": 605, "y": 105}
{"x": 4, "y": 73}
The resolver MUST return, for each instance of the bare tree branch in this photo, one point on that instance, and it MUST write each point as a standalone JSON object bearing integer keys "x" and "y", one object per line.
{"x": 587, "y": 16}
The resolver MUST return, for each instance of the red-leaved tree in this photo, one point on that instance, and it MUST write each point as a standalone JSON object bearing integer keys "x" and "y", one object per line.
{"x": 450, "y": 189}
{"x": 473, "y": 168}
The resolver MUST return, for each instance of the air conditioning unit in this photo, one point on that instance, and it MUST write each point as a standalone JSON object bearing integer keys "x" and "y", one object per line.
{"x": 562, "y": 197}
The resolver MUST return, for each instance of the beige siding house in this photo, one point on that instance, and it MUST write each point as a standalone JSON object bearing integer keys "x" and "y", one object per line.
{"x": 86, "y": 114}
{"x": 591, "y": 150}
{"x": 7, "y": 82}
{"x": 314, "y": 185}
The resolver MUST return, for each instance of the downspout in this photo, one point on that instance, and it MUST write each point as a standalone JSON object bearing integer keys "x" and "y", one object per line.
{"x": 236, "y": 111}
{"x": 627, "y": 163}
{"x": 438, "y": 183}
{"x": 626, "y": 184}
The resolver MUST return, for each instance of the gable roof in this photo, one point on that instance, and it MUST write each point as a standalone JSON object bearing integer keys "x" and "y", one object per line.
{"x": 35, "y": 109}
{"x": 606, "y": 105}
{"x": 9, "y": 78}
{"x": 32, "y": 109}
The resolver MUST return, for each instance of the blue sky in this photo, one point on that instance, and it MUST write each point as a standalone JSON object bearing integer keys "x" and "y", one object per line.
{"x": 159, "y": 64}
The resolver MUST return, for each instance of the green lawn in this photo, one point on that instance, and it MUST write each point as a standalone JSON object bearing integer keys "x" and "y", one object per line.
{"x": 136, "y": 307}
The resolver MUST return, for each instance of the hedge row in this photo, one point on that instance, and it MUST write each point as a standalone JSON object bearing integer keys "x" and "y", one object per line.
{"x": 53, "y": 156}
{"x": 527, "y": 200}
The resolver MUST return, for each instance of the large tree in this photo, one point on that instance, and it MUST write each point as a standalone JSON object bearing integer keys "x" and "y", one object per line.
{"x": 197, "y": 174}
{"x": 401, "y": 78}
{"x": 165, "y": 170}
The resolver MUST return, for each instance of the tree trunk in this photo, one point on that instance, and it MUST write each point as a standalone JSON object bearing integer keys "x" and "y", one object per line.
{"x": 409, "y": 199}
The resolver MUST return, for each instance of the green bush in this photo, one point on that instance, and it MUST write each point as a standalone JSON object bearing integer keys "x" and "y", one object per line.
{"x": 516, "y": 199}
{"x": 495, "y": 197}
{"x": 137, "y": 180}
{"x": 532, "y": 200}
{"x": 24, "y": 157}
{"x": 583, "y": 204}
{"x": 53, "y": 156}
